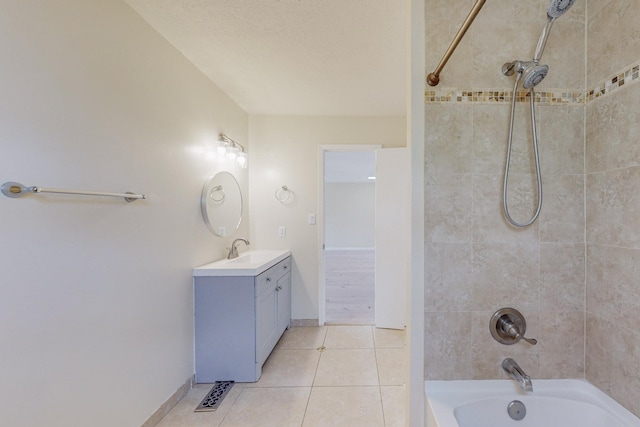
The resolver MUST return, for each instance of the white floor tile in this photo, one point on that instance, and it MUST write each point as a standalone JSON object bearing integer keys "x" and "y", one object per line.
{"x": 392, "y": 366}
{"x": 344, "y": 407}
{"x": 302, "y": 338}
{"x": 349, "y": 337}
{"x": 393, "y": 405}
{"x": 388, "y": 338}
{"x": 347, "y": 367}
{"x": 268, "y": 407}
{"x": 288, "y": 368}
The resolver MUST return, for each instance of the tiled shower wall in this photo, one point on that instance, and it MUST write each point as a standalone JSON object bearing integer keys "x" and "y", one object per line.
{"x": 613, "y": 201}
{"x": 476, "y": 263}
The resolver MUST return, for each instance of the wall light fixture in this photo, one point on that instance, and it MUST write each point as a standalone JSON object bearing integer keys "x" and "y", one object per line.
{"x": 232, "y": 151}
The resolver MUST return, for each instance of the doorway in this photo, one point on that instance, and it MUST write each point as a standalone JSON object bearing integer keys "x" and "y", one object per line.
{"x": 347, "y": 198}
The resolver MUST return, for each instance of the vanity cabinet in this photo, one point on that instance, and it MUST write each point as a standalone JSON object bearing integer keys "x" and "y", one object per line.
{"x": 238, "y": 321}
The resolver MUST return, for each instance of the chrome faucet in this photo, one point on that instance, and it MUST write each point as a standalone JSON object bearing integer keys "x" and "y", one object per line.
{"x": 515, "y": 371}
{"x": 233, "y": 250}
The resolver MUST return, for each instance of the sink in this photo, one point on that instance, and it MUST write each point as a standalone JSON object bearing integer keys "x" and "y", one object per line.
{"x": 254, "y": 257}
{"x": 249, "y": 263}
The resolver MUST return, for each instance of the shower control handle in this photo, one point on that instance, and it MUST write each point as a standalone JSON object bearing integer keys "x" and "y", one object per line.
{"x": 507, "y": 326}
{"x": 512, "y": 330}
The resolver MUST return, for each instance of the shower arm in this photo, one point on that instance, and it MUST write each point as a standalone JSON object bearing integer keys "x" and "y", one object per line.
{"x": 542, "y": 41}
{"x": 434, "y": 78}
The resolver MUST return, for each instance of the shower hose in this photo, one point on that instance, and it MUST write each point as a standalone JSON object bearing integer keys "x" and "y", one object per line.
{"x": 535, "y": 153}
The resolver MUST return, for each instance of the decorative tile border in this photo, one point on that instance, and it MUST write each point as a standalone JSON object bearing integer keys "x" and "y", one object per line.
{"x": 549, "y": 97}
{"x": 492, "y": 96}
{"x": 615, "y": 82}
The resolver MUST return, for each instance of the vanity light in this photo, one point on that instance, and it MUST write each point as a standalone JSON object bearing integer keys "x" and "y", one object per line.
{"x": 231, "y": 151}
{"x": 242, "y": 159}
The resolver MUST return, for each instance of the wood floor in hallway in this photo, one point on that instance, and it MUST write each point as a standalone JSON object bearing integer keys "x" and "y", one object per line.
{"x": 350, "y": 286}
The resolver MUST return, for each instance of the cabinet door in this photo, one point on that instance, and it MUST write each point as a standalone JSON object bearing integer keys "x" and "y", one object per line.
{"x": 284, "y": 302}
{"x": 266, "y": 323}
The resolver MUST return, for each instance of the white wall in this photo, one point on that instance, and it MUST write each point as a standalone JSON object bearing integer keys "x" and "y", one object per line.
{"x": 284, "y": 151}
{"x": 96, "y": 310}
{"x": 349, "y": 215}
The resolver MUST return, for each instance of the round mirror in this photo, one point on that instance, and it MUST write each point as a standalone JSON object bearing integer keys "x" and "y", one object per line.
{"x": 221, "y": 204}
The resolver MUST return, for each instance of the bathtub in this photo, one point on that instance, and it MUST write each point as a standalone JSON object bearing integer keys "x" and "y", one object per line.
{"x": 553, "y": 403}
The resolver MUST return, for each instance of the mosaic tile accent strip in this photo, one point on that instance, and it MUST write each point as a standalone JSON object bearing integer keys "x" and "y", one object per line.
{"x": 615, "y": 82}
{"x": 491, "y": 96}
{"x": 550, "y": 97}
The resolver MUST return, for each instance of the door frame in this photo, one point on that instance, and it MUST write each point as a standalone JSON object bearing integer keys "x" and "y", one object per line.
{"x": 322, "y": 294}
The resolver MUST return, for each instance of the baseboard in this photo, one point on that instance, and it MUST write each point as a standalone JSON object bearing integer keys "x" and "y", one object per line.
{"x": 164, "y": 409}
{"x": 304, "y": 322}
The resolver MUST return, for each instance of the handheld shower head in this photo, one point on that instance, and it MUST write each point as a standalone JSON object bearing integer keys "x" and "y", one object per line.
{"x": 558, "y": 7}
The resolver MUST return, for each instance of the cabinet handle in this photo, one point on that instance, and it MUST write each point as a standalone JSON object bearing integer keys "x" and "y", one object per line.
{"x": 268, "y": 279}
{"x": 286, "y": 266}
{"x": 278, "y": 288}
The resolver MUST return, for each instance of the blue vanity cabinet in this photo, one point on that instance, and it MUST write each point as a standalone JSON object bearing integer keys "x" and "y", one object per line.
{"x": 238, "y": 321}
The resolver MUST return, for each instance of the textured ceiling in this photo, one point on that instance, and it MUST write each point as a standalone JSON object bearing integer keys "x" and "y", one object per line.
{"x": 293, "y": 57}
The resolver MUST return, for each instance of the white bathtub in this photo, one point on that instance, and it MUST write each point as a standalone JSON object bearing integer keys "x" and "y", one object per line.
{"x": 553, "y": 403}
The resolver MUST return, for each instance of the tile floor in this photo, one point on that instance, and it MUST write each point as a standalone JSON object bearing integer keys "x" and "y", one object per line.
{"x": 356, "y": 380}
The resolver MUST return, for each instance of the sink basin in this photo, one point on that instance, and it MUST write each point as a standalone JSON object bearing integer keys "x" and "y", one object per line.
{"x": 254, "y": 257}
{"x": 250, "y": 263}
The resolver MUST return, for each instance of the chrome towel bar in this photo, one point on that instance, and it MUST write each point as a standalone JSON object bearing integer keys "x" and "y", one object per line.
{"x": 15, "y": 189}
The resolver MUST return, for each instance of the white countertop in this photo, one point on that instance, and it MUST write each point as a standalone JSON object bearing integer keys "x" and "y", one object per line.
{"x": 249, "y": 263}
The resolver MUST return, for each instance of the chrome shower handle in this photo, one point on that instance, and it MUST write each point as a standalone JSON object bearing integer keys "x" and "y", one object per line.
{"x": 507, "y": 326}
{"x": 513, "y": 330}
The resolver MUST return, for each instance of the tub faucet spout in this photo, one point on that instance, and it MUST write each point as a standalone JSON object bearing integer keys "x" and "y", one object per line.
{"x": 515, "y": 371}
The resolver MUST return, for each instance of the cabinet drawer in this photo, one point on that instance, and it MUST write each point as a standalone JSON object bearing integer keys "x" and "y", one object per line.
{"x": 267, "y": 280}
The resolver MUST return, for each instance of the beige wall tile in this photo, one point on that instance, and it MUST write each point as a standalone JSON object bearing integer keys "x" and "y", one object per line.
{"x": 561, "y": 343}
{"x": 613, "y": 203}
{"x": 448, "y": 276}
{"x": 613, "y": 39}
{"x": 601, "y": 340}
{"x": 506, "y": 275}
{"x": 613, "y": 131}
{"x": 491, "y": 137}
{"x": 627, "y": 357}
{"x": 562, "y": 276}
{"x": 448, "y": 139}
{"x": 562, "y": 218}
{"x": 564, "y": 52}
{"x": 448, "y": 207}
{"x": 561, "y": 139}
{"x": 448, "y": 353}
{"x": 612, "y": 283}
{"x": 489, "y": 224}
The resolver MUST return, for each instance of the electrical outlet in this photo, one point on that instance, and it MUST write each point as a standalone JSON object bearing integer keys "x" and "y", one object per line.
{"x": 282, "y": 231}
{"x": 312, "y": 219}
